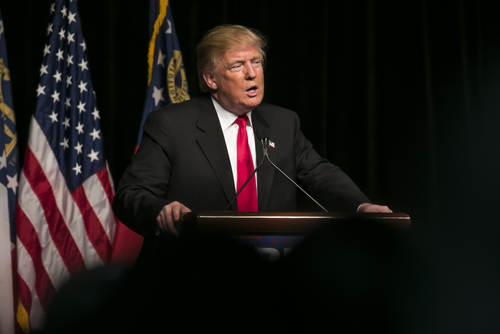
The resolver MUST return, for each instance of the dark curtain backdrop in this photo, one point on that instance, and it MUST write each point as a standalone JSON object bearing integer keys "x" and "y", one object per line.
{"x": 402, "y": 95}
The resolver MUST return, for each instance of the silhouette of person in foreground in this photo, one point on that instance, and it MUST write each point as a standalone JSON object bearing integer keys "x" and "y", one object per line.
{"x": 341, "y": 278}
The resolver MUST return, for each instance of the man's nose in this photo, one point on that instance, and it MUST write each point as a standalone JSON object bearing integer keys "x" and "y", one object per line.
{"x": 250, "y": 72}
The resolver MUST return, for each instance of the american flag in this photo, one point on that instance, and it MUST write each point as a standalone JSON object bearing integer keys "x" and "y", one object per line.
{"x": 9, "y": 168}
{"x": 167, "y": 84}
{"x": 64, "y": 219}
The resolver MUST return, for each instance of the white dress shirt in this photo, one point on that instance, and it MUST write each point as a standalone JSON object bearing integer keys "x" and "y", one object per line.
{"x": 230, "y": 130}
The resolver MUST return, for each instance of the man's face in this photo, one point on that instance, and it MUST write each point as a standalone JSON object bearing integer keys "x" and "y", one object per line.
{"x": 238, "y": 80}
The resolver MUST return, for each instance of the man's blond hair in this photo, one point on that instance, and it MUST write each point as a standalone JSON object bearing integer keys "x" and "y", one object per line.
{"x": 220, "y": 39}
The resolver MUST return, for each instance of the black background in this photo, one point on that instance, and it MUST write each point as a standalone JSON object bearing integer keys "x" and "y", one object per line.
{"x": 403, "y": 95}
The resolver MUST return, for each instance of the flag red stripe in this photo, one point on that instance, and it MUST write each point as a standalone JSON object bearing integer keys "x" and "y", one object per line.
{"x": 58, "y": 230}
{"x": 93, "y": 227}
{"x": 104, "y": 178}
{"x": 24, "y": 294}
{"x": 28, "y": 236}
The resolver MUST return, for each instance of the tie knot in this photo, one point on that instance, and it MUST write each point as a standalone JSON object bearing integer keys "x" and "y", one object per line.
{"x": 242, "y": 121}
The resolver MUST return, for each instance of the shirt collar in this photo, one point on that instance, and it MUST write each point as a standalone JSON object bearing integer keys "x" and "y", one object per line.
{"x": 227, "y": 118}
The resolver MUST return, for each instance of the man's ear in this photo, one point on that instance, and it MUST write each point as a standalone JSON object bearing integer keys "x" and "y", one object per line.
{"x": 210, "y": 81}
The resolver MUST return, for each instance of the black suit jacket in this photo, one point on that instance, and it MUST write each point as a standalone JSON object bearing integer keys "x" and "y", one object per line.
{"x": 183, "y": 157}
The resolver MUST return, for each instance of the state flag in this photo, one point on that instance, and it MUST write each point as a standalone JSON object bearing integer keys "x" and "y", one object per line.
{"x": 167, "y": 84}
{"x": 9, "y": 171}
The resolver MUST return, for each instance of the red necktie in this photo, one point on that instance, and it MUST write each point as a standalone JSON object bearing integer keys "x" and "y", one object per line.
{"x": 247, "y": 200}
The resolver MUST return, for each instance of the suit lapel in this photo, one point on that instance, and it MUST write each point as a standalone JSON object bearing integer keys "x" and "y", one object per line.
{"x": 213, "y": 145}
{"x": 265, "y": 175}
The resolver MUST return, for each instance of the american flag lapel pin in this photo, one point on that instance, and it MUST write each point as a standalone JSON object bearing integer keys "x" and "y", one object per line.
{"x": 271, "y": 144}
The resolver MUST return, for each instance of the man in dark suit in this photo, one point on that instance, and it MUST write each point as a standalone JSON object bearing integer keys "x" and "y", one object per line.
{"x": 188, "y": 158}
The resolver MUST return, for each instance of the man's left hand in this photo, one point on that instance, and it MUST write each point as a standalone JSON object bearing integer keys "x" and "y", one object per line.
{"x": 370, "y": 208}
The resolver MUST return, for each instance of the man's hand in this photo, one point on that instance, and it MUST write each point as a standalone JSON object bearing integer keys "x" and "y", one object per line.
{"x": 170, "y": 216}
{"x": 368, "y": 207}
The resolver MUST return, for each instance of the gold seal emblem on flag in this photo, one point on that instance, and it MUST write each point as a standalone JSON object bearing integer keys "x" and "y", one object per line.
{"x": 6, "y": 111}
{"x": 177, "y": 94}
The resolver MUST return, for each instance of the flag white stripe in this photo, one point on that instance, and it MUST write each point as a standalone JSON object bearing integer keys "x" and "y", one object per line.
{"x": 25, "y": 267}
{"x": 111, "y": 183}
{"x": 37, "y": 315}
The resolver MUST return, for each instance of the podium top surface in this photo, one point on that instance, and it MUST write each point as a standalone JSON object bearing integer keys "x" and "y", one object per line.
{"x": 287, "y": 223}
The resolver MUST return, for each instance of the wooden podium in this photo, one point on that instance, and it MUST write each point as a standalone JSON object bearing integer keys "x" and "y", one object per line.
{"x": 274, "y": 234}
{"x": 282, "y": 223}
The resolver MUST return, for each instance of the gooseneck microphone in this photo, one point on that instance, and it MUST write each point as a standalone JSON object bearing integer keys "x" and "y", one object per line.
{"x": 244, "y": 184}
{"x": 263, "y": 135}
{"x": 264, "y": 139}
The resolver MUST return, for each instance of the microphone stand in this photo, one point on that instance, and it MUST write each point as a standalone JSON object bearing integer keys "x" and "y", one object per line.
{"x": 265, "y": 143}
